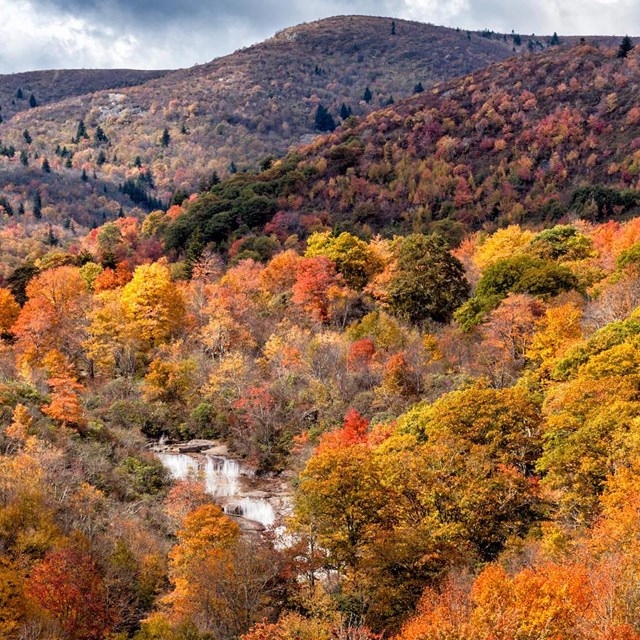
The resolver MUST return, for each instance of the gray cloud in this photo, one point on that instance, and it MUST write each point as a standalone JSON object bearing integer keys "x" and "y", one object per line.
{"x": 169, "y": 33}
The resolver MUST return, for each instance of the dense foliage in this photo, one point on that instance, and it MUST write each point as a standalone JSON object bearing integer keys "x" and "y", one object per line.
{"x": 466, "y": 471}
{"x": 454, "y": 408}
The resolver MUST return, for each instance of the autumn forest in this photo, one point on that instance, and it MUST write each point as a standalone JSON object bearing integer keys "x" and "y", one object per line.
{"x": 316, "y": 342}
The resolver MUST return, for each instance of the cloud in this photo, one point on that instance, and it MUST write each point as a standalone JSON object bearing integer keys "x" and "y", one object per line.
{"x": 168, "y": 34}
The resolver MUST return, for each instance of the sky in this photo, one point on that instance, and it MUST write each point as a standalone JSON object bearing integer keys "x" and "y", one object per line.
{"x": 168, "y": 34}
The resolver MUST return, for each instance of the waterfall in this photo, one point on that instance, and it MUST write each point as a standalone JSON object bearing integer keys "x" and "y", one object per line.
{"x": 163, "y": 440}
{"x": 178, "y": 465}
{"x": 255, "y": 509}
{"x": 221, "y": 478}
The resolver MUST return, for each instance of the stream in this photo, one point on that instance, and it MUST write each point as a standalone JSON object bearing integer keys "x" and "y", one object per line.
{"x": 234, "y": 485}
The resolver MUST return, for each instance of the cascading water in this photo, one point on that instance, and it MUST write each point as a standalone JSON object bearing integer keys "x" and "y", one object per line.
{"x": 256, "y": 509}
{"x": 178, "y": 465}
{"x": 221, "y": 478}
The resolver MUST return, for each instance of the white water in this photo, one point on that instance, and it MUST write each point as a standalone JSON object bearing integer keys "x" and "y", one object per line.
{"x": 178, "y": 465}
{"x": 221, "y": 478}
{"x": 255, "y": 509}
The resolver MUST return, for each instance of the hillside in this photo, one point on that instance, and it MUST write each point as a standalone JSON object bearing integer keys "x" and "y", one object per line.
{"x": 55, "y": 85}
{"x": 534, "y": 139}
{"x": 240, "y": 108}
{"x": 282, "y": 409}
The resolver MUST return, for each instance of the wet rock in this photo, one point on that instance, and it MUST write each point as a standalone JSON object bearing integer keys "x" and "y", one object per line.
{"x": 196, "y": 446}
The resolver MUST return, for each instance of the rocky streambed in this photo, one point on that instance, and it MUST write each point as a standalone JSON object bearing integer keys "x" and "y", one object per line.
{"x": 255, "y": 502}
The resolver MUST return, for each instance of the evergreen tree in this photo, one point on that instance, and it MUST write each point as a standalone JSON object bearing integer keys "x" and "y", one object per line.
{"x": 324, "y": 120}
{"x": 27, "y": 136}
{"x": 37, "y": 206}
{"x": 345, "y": 111}
{"x": 418, "y": 88}
{"x": 367, "y": 95}
{"x": 178, "y": 197}
{"x": 266, "y": 163}
{"x": 517, "y": 40}
{"x": 555, "y": 41}
{"x": 390, "y": 101}
{"x": 206, "y": 184}
{"x": 19, "y": 94}
{"x": 6, "y": 205}
{"x": 84, "y": 176}
{"x": 32, "y": 101}
{"x": 68, "y": 164}
{"x": 137, "y": 162}
{"x": 52, "y": 239}
{"x": 195, "y": 247}
{"x": 21, "y": 209}
{"x": 393, "y": 27}
{"x": 183, "y": 129}
{"x": 45, "y": 166}
{"x": 81, "y": 132}
{"x": 625, "y": 47}
{"x": 99, "y": 135}
{"x": 101, "y": 159}
{"x": 24, "y": 158}
{"x": 232, "y": 167}
{"x": 120, "y": 212}
{"x": 166, "y": 138}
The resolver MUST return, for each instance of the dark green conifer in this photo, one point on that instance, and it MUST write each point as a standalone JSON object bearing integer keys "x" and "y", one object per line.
{"x": 37, "y": 206}
{"x": 324, "y": 120}
{"x": 625, "y": 47}
{"x": 166, "y": 138}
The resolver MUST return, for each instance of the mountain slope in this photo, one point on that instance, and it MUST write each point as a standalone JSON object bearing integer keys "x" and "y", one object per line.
{"x": 243, "y": 107}
{"x": 523, "y": 140}
{"x": 56, "y": 85}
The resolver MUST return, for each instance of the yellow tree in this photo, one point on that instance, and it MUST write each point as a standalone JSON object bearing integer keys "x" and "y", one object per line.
{"x": 153, "y": 307}
{"x": 128, "y": 323}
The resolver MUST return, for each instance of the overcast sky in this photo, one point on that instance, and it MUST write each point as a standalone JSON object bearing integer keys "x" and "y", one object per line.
{"x": 46, "y": 34}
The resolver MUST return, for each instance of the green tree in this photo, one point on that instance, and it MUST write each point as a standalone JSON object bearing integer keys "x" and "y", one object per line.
{"x": 353, "y": 257}
{"x": 418, "y": 88}
{"x": 37, "y": 206}
{"x": 625, "y": 47}
{"x": 428, "y": 282}
{"x": 99, "y": 135}
{"x": 46, "y": 167}
{"x": 165, "y": 138}
{"x": 81, "y": 131}
{"x": 367, "y": 96}
{"x": 324, "y": 120}
{"x": 345, "y": 111}
{"x": 32, "y": 101}
{"x": 27, "y": 136}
